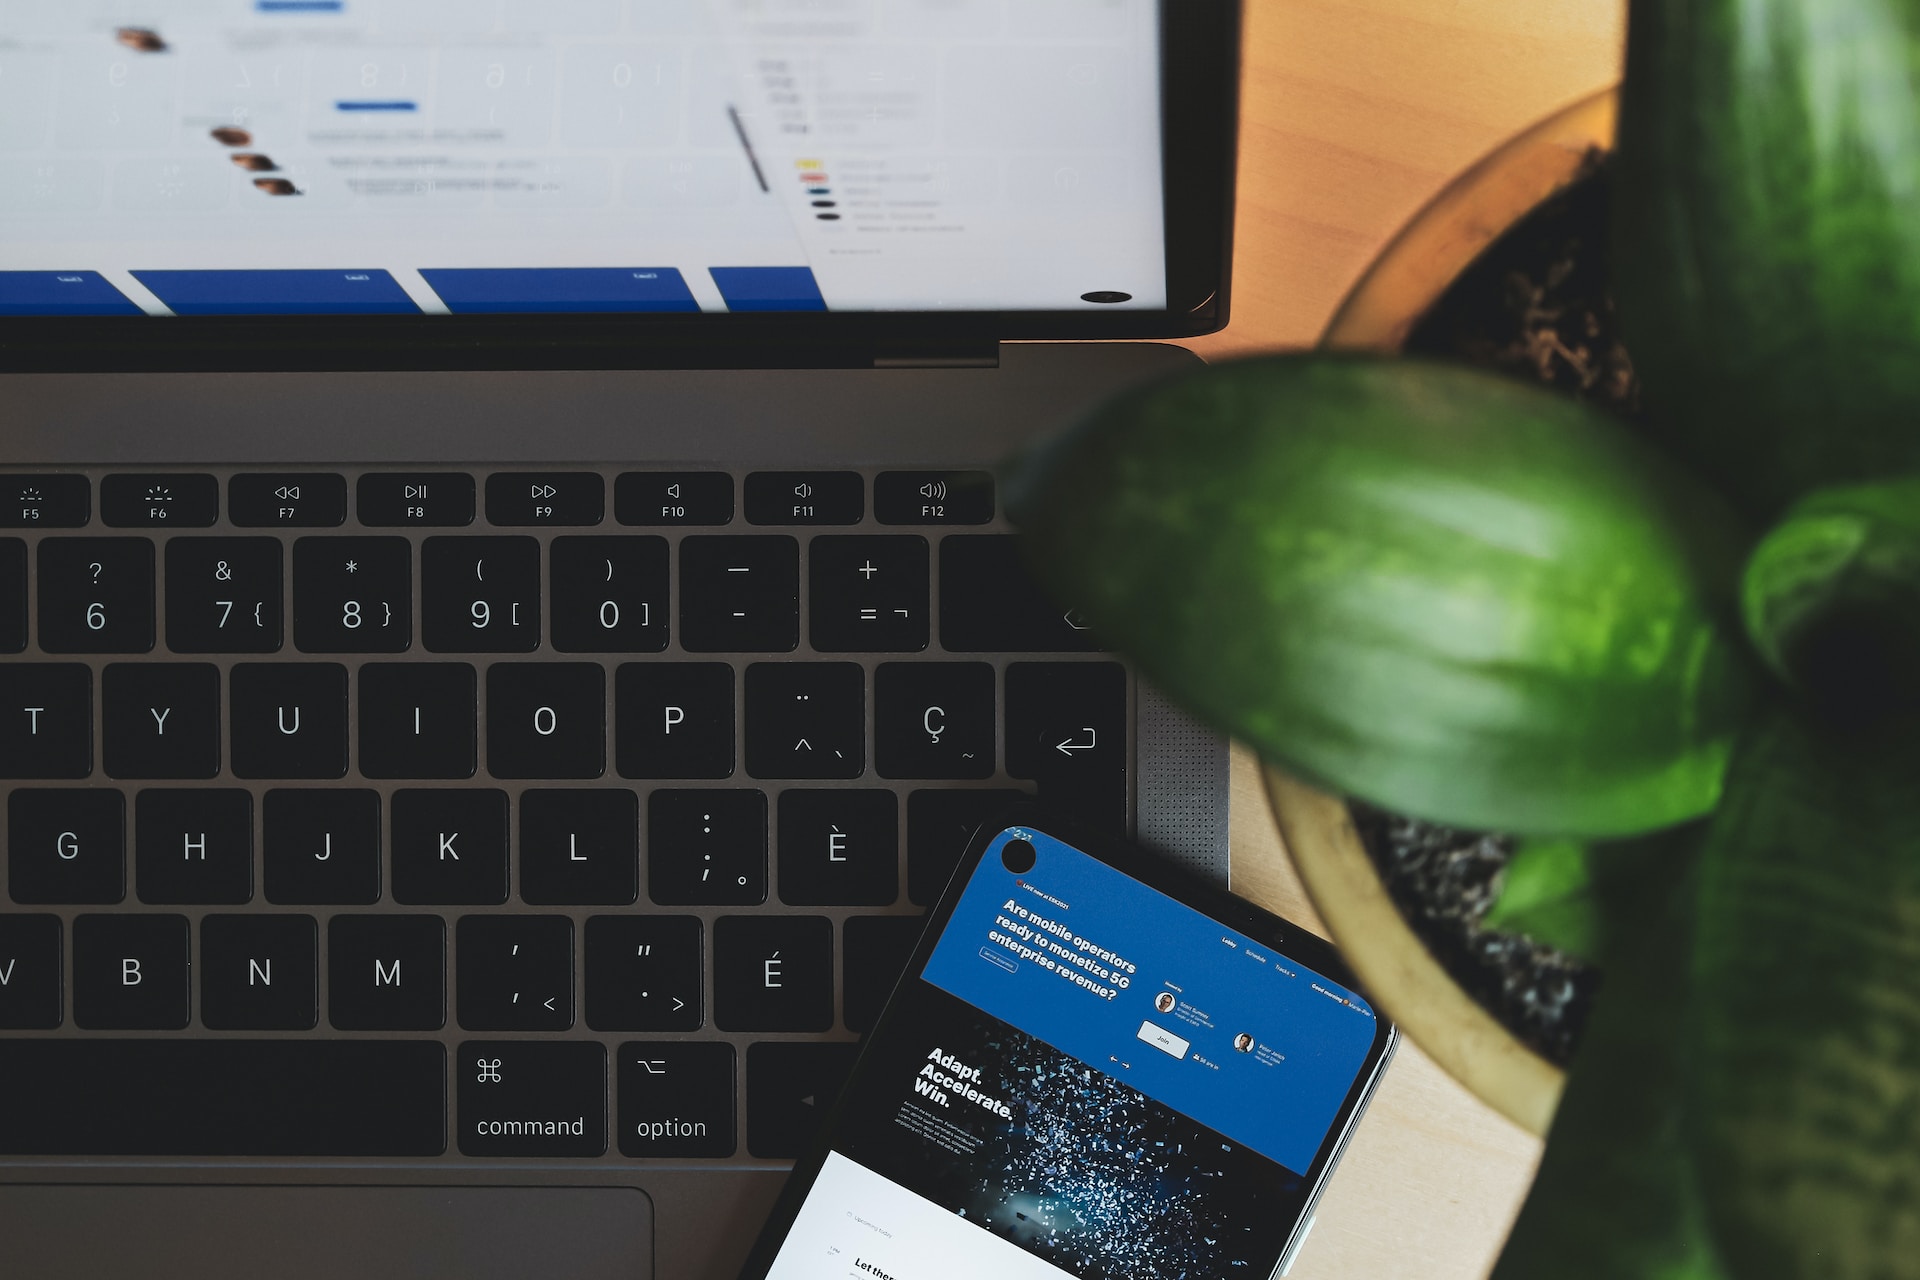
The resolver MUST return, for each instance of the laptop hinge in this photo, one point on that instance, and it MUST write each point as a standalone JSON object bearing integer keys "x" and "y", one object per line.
{"x": 979, "y": 358}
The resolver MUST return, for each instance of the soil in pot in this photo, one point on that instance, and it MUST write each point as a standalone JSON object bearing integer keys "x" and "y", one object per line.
{"x": 1535, "y": 305}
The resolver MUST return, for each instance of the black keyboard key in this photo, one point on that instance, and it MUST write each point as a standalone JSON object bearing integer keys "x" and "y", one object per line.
{"x": 45, "y": 502}
{"x": 990, "y": 603}
{"x": 772, "y": 973}
{"x": 223, "y": 595}
{"x": 322, "y": 847}
{"x": 644, "y": 973}
{"x": 13, "y": 595}
{"x": 789, "y": 1088}
{"x": 933, "y": 720}
{"x": 161, "y": 720}
{"x": 1067, "y": 731}
{"x": 673, "y": 497}
{"x": 289, "y": 720}
{"x": 674, "y": 720}
{"x": 29, "y": 973}
{"x": 352, "y": 595}
{"x": 579, "y": 848}
{"x": 875, "y": 952}
{"x": 129, "y": 974}
{"x": 739, "y": 595}
{"x": 516, "y": 973}
{"x": 546, "y": 720}
{"x": 677, "y": 1100}
{"x": 839, "y": 848}
{"x": 524, "y": 498}
{"x": 521, "y": 1098}
{"x": 480, "y": 595}
{"x": 933, "y": 497}
{"x": 66, "y": 846}
{"x": 417, "y": 720}
{"x": 939, "y": 826}
{"x": 179, "y": 501}
{"x": 96, "y": 595}
{"x": 259, "y": 973}
{"x": 176, "y": 1097}
{"x": 387, "y": 973}
{"x": 707, "y": 848}
{"x": 46, "y": 720}
{"x": 610, "y": 595}
{"x": 806, "y": 497}
{"x": 450, "y": 848}
{"x": 429, "y": 499}
{"x": 286, "y": 500}
{"x": 806, "y": 720}
{"x": 193, "y": 846}
{"x": 869, "y": 594}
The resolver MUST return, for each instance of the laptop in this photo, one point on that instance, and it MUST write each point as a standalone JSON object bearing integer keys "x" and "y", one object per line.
{"x": 507, "y": 609}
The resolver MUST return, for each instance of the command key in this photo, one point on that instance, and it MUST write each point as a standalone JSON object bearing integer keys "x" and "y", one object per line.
{"x": 526, "y": 1098}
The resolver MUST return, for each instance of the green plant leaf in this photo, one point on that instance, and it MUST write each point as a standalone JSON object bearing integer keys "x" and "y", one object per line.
{"x": 1546, "y": 893}
{"x": 1617, "y": 1197}
{"x": 1804, "y": 1102}
{"x": 1766, "y": 265}
{"x": 1832, "y": 596}
{"x": 1450, "y": 595}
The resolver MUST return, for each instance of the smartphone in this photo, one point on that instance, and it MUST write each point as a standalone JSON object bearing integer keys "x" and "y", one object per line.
{"x": 1093, "y": 1066}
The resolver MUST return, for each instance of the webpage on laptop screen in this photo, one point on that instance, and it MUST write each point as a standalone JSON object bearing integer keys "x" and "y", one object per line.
{"x": 1091, "y": 1080}
{"x": 363, "y": 157}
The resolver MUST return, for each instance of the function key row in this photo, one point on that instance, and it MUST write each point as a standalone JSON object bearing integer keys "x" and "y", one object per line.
{"x": 525, "y": 499}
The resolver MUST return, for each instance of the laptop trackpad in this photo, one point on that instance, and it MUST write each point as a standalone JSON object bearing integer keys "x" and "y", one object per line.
{"x": 327, "y": 1233}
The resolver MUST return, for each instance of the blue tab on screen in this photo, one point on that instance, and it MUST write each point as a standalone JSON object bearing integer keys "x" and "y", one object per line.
{"x": 279, "y": 293}
{"x": 61, "y": 293}
{"x": 492, "y": 291}
{"x": 377, "y": 106}
{"x": 299, "y": 6}
{"x": 1151, "y": 992}
{"x": 768, "y": 288}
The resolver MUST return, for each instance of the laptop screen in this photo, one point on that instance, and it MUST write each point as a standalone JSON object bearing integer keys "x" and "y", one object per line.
{"x": 533, "y": 157}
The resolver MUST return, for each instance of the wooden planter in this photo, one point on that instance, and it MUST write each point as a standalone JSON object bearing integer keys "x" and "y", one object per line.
{"x": 1396, "y": 967}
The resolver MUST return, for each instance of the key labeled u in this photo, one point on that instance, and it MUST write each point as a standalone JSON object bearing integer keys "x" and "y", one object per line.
{"x": 284, "y": 727}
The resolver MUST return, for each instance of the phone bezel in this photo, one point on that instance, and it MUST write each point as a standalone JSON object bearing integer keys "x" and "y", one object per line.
{"x": 1286, "y": 939}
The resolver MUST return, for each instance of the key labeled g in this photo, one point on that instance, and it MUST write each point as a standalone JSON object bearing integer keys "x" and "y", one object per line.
{"x": 67, "y": 845}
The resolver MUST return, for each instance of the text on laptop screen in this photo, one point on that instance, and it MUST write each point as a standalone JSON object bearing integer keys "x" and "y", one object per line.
{"x": 364, "y": 157}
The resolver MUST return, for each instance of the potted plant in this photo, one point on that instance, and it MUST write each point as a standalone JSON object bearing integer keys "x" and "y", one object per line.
{"x": 1682, "y": 662}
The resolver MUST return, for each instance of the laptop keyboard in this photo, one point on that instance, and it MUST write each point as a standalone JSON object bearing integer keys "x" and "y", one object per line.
{"x": 571, "y": 813}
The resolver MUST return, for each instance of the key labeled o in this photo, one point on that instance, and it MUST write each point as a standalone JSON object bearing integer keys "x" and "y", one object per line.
{"x": 545, "y": 721}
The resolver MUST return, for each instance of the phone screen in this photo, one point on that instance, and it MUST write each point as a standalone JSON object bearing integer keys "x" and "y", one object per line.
{"x": 1085, "y": 1077}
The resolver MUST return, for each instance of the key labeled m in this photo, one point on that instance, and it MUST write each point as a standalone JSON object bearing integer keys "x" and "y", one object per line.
{"x": 385, "y": 977}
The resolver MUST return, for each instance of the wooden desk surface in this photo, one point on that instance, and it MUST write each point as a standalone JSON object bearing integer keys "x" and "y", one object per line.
{"x": 1354, "y": 114}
